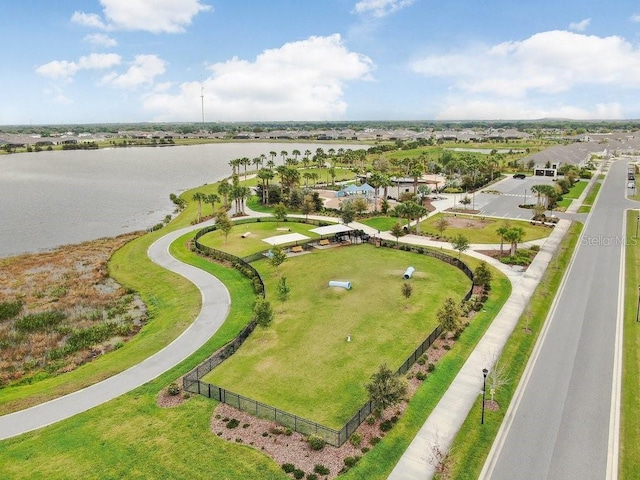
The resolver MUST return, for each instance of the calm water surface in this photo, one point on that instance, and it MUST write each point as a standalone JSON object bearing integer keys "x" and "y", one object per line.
{"x": 55, "y": 198}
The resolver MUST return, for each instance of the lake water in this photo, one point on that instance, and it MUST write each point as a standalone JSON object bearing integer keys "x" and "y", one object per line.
{"x": 55, "y": 198}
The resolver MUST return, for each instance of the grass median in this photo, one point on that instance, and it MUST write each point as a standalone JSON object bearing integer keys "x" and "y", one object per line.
{"x": 630, "y": 422}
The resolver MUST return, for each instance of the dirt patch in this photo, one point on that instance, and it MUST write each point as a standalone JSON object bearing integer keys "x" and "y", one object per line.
{"x": 461, "y": 222}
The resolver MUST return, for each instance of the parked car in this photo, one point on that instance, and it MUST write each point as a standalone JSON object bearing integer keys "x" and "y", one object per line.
{"x": 520, "y": 176}
{"x": 631, "y": 185}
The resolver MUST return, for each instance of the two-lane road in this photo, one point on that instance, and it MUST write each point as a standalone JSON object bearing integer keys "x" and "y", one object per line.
{"x": 559, "y": 426}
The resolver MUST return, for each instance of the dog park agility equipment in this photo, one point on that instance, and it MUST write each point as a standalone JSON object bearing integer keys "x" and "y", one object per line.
{"x": 408, "y": 272}
{"x": 338, "y": 283}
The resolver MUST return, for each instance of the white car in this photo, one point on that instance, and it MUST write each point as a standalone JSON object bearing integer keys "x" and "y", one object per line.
{"x": 631, "y": 185}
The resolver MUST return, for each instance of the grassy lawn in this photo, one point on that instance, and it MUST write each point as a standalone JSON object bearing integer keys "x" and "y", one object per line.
{"x": 131, "y": 437}
{"x": 593, "y": 193}
{"x": 574, "y": 193}
{"x": 253, "y": 243}
{"x": 377, "y": 464}
{"x": 481, "y": 229}
{"x": 630, "y": 422}
{"x": 473, "y": 442}
{"x": 381, "y": 223}
{"x": 310, "y": 329}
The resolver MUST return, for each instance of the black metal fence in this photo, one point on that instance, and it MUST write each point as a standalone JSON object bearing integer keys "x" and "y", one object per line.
{"x": 192, "y": 381}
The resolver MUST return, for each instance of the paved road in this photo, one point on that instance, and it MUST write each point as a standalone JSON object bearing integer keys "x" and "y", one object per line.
{"x": 215, "y": 306}
{"x": 562, "y": 422}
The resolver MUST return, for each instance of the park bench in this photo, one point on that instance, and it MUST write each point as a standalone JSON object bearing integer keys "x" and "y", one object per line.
{"x": 324, "y": 242}
{"x": 296, "y": 249}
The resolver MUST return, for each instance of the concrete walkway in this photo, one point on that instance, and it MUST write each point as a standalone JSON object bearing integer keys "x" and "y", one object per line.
{"x": 447, "y": 417}
{"x": 215, "y": 307}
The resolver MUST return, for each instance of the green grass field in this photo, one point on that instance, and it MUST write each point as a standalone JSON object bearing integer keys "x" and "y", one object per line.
{"x": 309, "y": 334}
{"x": 483, "y": 229}
{"x": 630, "y": 422}
{"x": 574, "y": 193}
{"x": 247, "y": 238}
{"x": 383, "y": 224}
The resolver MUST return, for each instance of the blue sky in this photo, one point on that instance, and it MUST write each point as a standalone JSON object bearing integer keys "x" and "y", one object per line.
{"x": 91, "y": 61}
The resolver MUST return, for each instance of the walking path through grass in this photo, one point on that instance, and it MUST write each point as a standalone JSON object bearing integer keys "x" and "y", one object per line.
{"x": 215, "y": 305}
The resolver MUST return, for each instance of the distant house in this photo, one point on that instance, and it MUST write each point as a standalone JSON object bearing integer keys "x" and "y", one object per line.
{"x": 365, "y": 189}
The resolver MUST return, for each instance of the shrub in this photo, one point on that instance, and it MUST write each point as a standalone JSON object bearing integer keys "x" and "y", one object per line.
{"x": 312, "y": 476}
{"x": 39, "y": 321}
{"x": 173, "y": 389}
{"x": 374, "y": 441}
{"x": 371, "y": 420}
{"x": 421, "y": 376}
{"x": 288, "y": 432}
{"x": 421, "y": 361}
{"x": 10, "y": 309}
{"x": 316, "y": 442}
{"x": 351, "y": 461}
{"x": 276, "y": 430}
{"x": 365, "y": 449}
{"x": 431, "y": 367}
{"x": 386, "y": 425}
{"x": 297, "y": 473}
{"x": 321, "y": 469}
{"x": 288, "y": 467}
{"x": 233, "y": 423}
{"x": 355, "y": 439}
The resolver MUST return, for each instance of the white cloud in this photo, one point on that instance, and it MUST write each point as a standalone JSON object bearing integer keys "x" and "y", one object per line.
{"x": 156, "y": 16}
{"x": 300, "y": 80}
{"x": 142, "y": 71}
{"x": 100, "y": 40}
{"x": 548, "y": 62}
{"x": 380, "y": 8}
{"x": 580, "y": 26}
{"x": 65, "y": 70}
{"x": 91, "y": 20}
{"x": 635, "y": 17}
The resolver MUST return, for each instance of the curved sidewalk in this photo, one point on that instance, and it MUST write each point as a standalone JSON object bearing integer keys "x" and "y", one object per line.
{"x": 215, "y": 306}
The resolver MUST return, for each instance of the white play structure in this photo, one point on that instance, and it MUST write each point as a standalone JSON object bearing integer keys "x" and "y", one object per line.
{"x": 338, "y": 283}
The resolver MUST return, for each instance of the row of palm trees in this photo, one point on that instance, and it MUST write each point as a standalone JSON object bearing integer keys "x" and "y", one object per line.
{"x": 229, "y": 192}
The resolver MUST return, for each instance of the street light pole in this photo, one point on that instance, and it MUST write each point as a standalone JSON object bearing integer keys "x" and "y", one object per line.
{"x": 484, "y": 389}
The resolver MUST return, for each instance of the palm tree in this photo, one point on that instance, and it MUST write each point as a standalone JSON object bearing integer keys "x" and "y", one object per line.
{"x": 502, "y": 231}
{"x": 199, "y": 197}
{"x": 515, "y": 236}
{"x": 273, "y": 156}
{"x": 212, "y": 198}
{"x": 284, "y": 154}
{"x": 245, "y": 162}
{"x": 257, "y": 162}
{"x": 264, "y": 174}
{"x": 234, "y": 164}
{"x": 224, "y": 189}
{"x": 296, "y": 154}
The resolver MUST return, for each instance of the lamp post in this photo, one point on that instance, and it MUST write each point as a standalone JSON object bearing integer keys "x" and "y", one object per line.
{"x": 525, "y": 197}
{"x": 484, "y": 389}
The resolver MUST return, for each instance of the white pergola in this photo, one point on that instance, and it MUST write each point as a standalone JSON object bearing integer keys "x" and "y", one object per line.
{"x": 331, "y": 229}
{"x": 288, "y": 238}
